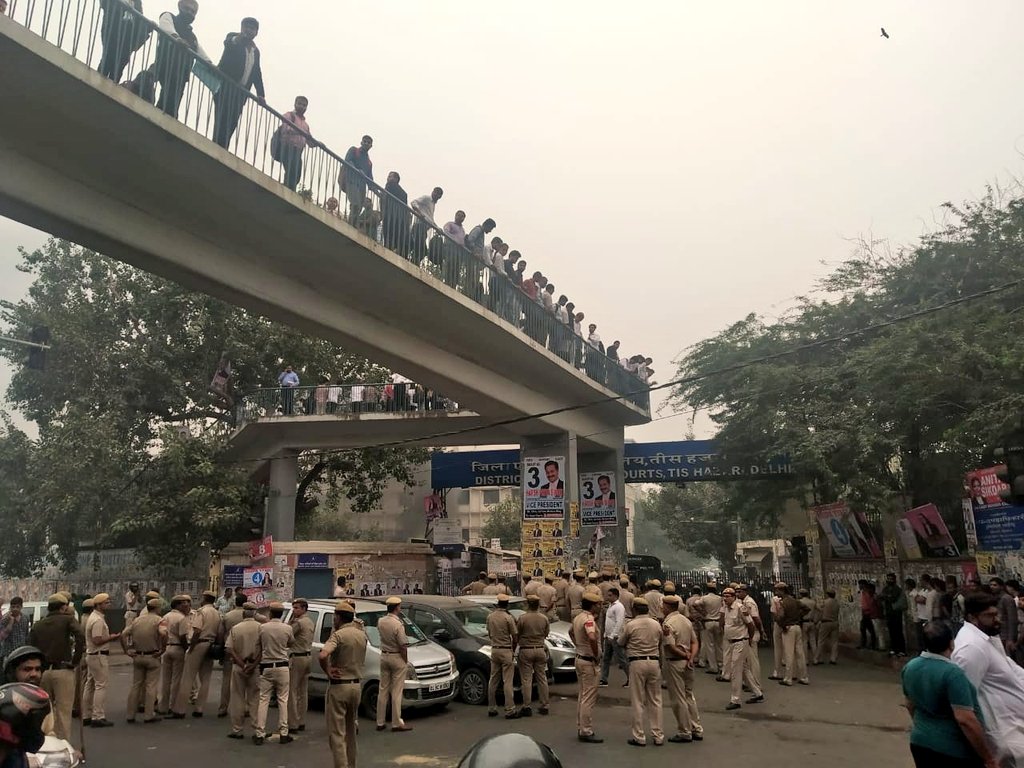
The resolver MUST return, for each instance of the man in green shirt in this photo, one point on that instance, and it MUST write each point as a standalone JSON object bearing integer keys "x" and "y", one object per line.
{"x": 948, "y": 731}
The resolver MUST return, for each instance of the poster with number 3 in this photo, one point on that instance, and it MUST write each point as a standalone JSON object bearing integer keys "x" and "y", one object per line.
{"x": 543, "y": 488}
{"x": 597, "y": 499}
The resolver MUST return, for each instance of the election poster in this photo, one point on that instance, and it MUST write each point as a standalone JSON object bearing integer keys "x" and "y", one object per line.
{"x": 544, "y": 548}
{"x": 597, "y": 499}
{"x": 999, "y": 526}
{"x": 929, "y": 531}
{"x": 543, "y": 488}
{"x": 847, "y": 531}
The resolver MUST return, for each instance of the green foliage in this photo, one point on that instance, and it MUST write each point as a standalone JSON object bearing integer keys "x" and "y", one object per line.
{"x": 898, "y": 413}
{"x": 126, "y": 381}
{"x": 505, "y": 522}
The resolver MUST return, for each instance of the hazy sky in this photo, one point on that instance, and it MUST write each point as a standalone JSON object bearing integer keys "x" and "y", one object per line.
{"x": 671, "y": 166}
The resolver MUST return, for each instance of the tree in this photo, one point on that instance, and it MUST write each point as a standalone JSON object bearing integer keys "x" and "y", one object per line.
{"x": 696, "y": 518}
{"x": 505, "y": 522}
{"x": 897, "y": 413}
{"x": 129, "y": 437}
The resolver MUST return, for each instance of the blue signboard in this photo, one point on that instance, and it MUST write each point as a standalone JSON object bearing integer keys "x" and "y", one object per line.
{"x": 232, "y": 576}
{"x": 665, "y": 462}
{"x": 310, "y": 562}
{"x": 1000, "y": 527}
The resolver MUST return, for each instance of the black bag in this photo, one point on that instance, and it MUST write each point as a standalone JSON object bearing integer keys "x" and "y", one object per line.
{"x": 216, "y": 651}
{"x": 275, "y": 145}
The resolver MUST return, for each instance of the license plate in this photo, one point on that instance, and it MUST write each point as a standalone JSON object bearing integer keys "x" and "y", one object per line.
{"x": 435, "y": 687}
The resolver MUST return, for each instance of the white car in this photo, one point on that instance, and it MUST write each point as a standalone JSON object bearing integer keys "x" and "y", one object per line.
{"x": 560, "y": 648}
{"x": 433, "y": 677}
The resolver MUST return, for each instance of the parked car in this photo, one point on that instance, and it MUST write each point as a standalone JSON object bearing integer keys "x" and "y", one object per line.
{"x": 433, "y": 676}
{"x": 561, "y": 650}
{"x": 460, "y": 625}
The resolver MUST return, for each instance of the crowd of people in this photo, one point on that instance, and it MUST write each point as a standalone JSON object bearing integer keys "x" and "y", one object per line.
{"x": 471, "y": 258}
{"x": 398, "y": 394}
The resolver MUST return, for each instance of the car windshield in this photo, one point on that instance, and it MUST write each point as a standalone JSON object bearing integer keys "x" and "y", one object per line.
{"x": 473, "y": 618}
{"x": 370, "y": 618}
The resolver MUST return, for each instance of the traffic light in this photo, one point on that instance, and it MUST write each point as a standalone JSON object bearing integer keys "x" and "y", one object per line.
{"x": 1012, "y": 455}
{"x": 40, "y": 335}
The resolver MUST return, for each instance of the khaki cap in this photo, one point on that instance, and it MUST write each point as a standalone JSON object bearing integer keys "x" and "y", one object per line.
{"x": 67, "y": 595}
{"x": 247, "y": 606}
{"x": 741, "y": 586}
{"x": 492, "y": 576}
{"x": 533, "y": 599}
{"x": 182, "y": 599}
{"x": 578, "y": 572}
{"x": 624, "y": 581}
{"x": 670, "y": 588}
{"x": 592, "y": 575}
{"x": 277, "y": 605}
{"x": 156, "y": 602}
{"x": 728, "y": 591}
{"x": 805, "y": 591}
{"x": 482, "y": 574}
{"x": 781, "y": 585}
{"x": 639, "y": 601}
{"x": 153, "y": 594}
{"x": 208, "y": 593}
{"x": 733, "y": 585}
{"x": 593, "y": 597}
{"x": 503, "y": 598}
{"x": 99, "y": 599}
{"x": 668, "y": 599}
{"x": 88, "y": 603}
{"x": 344, "y": 606}
{"x": 57, "y": 597}
{"x": 393, "y": 600}
{"x": 656, "y": 583}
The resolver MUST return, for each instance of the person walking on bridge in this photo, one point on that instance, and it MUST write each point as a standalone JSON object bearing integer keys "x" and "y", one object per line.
{"x": 241, "y": 63}
{"x": 174, "y": 55}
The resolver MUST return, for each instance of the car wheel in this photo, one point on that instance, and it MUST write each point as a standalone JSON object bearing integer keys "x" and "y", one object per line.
{"x": 368, "y": 700}
{"x": 473, "y": 687}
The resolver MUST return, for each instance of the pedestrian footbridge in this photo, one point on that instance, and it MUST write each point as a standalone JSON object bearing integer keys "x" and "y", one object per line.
{"x": 86, "y": 159}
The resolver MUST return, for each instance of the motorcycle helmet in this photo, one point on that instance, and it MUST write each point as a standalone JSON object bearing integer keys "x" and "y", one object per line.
{"x": 510, "y": 750}
{"x": 23, "y": 708}
{"x": 15, "y": 657}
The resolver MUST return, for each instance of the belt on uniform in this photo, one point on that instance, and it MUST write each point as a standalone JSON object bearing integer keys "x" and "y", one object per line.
{"x": 97, "y": 653}
{"x": 302, "y": 653}
{"x": 273, "y": 664}
{"x": 828, "y": 621}
{"x": 585, "y": 658}
{"x": 501, "y": 647}
{"x": 147, "y": 653}
{"x": 385, "y": 653}
{"x": 644, "y": 658}
{"x": 740, "y": 640}
{"x": 58, "y": 665}
{"x": 347, "y": 681}
{"x": 531, "y": 647}
{"x": 710, "y": 621}
{"x": 204, "y": 640}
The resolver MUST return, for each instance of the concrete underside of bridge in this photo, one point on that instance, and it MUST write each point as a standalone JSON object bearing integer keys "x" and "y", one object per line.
{"x": 84, "y": 159}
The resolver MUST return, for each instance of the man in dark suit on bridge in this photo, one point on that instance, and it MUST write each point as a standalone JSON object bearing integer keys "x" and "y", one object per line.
{"x": 241, "y": 63}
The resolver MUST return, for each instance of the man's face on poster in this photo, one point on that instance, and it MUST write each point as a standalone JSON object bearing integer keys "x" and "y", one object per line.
{"x": 551, "y": 470}
{"x": 605, "y": 486}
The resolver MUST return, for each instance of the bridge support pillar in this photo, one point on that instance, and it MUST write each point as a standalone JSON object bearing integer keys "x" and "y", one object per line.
{"x": 284, "y": 478}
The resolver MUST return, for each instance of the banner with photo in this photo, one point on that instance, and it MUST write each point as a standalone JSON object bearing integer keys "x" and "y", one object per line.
{"x": 847, "y": 531}
{"x": 999, "y": 526}
{"x": 927, "y": 530}
{"x": 597, "y": 499}
{"x": 544, "y": 488}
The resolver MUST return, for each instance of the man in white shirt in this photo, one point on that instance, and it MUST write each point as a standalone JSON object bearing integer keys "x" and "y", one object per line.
{"x": 357, "y": 398}
{"x": 423, "y": 207}
{"x": 999, "y": 682}
{"x": 614, "y": 621}
{"x": 923, "y": 600}
{"x": 593, "y": 338}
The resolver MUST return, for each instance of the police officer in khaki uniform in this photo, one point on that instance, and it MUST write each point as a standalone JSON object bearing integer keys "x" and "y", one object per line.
{"x": 62, "y": 640}
{"x": 530, "y": 586}
{"x": 394, "y": 666}
{"x": 681, "y": 648}
{"x": 695, "y": 613}
{"x": 642, "y": 640}
{"x": 231, "y": 619}
{"x": 97, "y": 635}
{"x": 242, "y": 646}
{"x": 574, "y": 593}
{"x": 653, "y": 599}
{"x": 561, "y": 596}
{"x": 790, "y": 620}
{"x": 626, "y": 597}
{"x": 276, "y": 640}
{"x": 342, "y": 660}
{"x": 828, "y": 629}
{"x": 587, "y": 640}
{"x": 476, "y": 587}
{"x": 753, "y": 662}
{"x": 302, "y": 650}
{"x": 533, "y": 627}
{"x": 144, "y": 641}
{"x": 173, "y": 661}
{"x": 492, "y": 587}
{"x": 502, "y": 631}
{"x": 809, "y": 626}
{"x": 547, "y": 597}
{"x": 711, "y": 634}
{"x": 198, "y": 666}
{"x": 737, "y": 629}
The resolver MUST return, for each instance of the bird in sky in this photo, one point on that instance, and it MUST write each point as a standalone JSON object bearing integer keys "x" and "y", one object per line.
{"x": 885, "y": 34}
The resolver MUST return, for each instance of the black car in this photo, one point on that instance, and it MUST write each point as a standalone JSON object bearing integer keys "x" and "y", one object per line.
{"x": 460, "y": 626}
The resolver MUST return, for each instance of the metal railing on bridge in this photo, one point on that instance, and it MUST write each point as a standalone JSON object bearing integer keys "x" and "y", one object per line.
{"x": 339, "y": 400}
{"x": 127, "y": 47}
